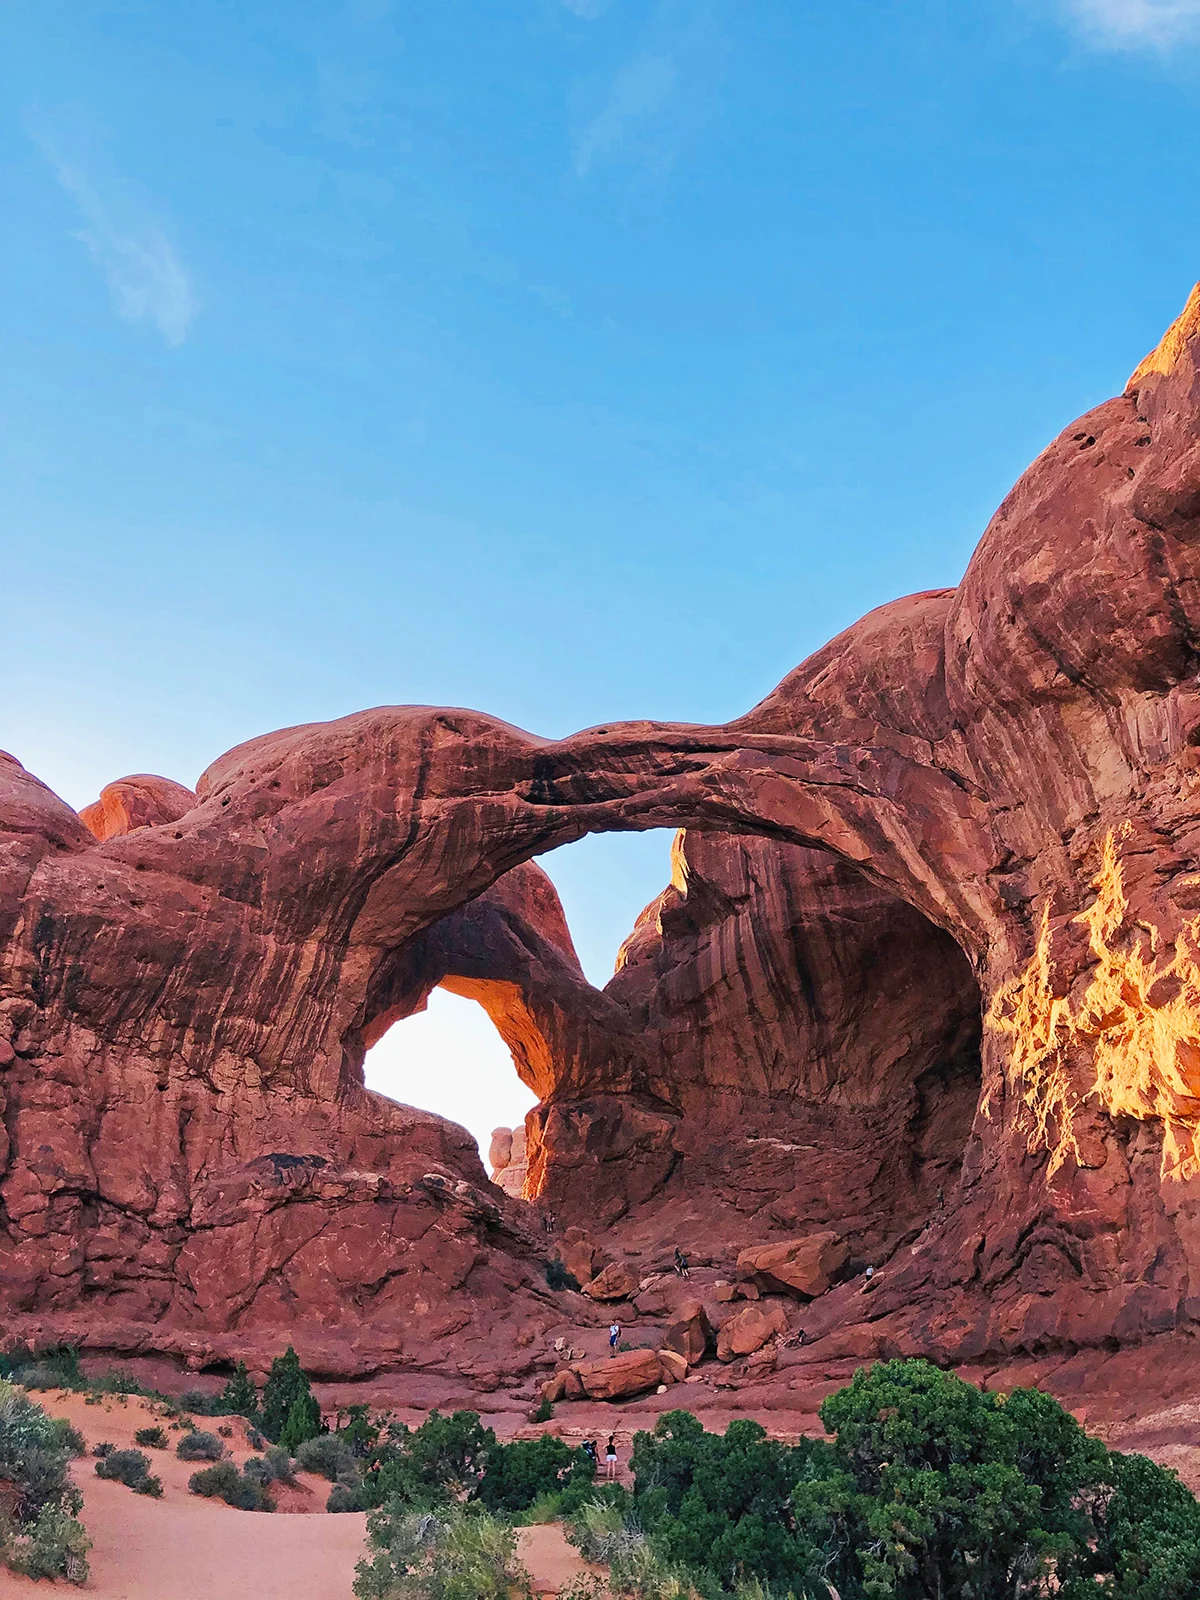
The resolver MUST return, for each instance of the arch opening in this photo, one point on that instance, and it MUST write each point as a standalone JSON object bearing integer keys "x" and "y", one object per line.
{"x": 779, "y": 1020}
{"x": 482, "y": 1013}
{"x": 448, "y": 1058}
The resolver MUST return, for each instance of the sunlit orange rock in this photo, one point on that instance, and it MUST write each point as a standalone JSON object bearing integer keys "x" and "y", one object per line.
{"x": 616, "y": 1377}
{"x": 747, "y": 1331}
{"x": 804, "y": 1267}
{"x": 141, "y": 801}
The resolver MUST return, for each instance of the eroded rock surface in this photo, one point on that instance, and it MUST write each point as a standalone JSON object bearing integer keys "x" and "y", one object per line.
{"x": 927, "y": 977}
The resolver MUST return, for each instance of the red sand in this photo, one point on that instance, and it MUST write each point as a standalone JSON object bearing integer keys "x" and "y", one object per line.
{"x": 183, "y": 1547}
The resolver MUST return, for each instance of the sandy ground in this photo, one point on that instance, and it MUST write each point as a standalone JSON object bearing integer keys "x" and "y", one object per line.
{"x": 552, "y": 1563}
{"x": 183, "y": 1547}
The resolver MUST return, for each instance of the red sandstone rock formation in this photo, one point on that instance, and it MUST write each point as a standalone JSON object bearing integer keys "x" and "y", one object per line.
{"x": 747, "y": 1331}
{"x": 141, "y": 801}
{"x": 974, "y": 802}
{"x": 803, "y": 1267}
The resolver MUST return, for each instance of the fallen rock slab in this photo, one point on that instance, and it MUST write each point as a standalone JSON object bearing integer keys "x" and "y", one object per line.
{"x": 675, "y": 1368}
{"x": 615, "y": 1282}
{"x": 582, "y": 1258}
{"x": 749, "y": 1330}
{"x": 691, "y": 1334}
{"x": 630, "y": 1372}
{"x": 795, "y": 1266}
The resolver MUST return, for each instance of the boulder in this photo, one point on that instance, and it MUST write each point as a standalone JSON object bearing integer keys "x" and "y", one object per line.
{"x": 748, "y": 1330}
{"x": 579, "y": 1255}
{"x": 563, "y": 1385}
{"x": 500, "y": 1150}
{"x": 654, "y": 1301}
{"x": 675, "y": 1368}
{"x": 615, "y": 1377}
{"x": 616, "y": 1281}
{"x": 803, "y": 1267}
{"x": 690, "y": 1334}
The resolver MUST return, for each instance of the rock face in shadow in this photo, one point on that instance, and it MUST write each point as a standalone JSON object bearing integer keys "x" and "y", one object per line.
{"x": 927, "y": 977}
{"x": 796, "y": 1045}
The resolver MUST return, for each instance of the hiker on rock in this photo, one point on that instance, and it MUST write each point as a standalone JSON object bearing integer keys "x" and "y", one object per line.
{"x": 610, "y": 1457}
{"x": 681, "y": 1263}
{"x": 614, "y": 1335}
{"x": 589, "y": 1450}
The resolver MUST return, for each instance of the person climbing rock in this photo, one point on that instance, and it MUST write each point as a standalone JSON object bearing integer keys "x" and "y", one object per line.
{"x": 589, "y": 1449}
{"x": 614, "y": 1335}
{"x": 681, "y": 1263}
{"x": 610, "y": 1457}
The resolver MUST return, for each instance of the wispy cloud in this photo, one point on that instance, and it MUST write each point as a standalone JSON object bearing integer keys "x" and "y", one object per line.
{"x": 639, "y": 94}
{"x": 145, "y": 276}
{"x": 645, "y": 111}
{"x": 1137, "y": 24}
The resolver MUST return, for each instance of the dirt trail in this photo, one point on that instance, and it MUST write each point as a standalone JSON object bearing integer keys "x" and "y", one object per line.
{"x": 183, "y": 1547}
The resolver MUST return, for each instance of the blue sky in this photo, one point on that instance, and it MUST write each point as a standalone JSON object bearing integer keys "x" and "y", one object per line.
{"x": 567, "y": 359}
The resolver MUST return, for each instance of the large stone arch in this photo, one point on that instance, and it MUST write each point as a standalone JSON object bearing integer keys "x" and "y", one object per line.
{"x": 1015, "y": 759}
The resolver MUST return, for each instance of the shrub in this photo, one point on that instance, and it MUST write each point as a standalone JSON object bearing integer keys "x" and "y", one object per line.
{"x": 303, "y": 1423}
{"x": 454, "y": 1555}
{"x": 199, "y": 1447}
{"x": 722, "y": 1503}
{"x": 152, "y": 1438}
{"x": 976, "y": 1491}
{"x": 928, "y": 1487}
{"x": 118, "y": 1381}
{"x": 442, "y": 1460}
{"x": 129, "y": 1467}
{"x": 274, "y": 1467}
{"x": 39, "y": 1534}
{"x": 280, "y": 1464}
{"x": 54, "y": 1545}
{"x": 1149, "y": 1533}
{"x": 286, "y": 1383}
{"x": 544, "y": 1412}
{"x": 517, "y": 1473}
{"x": 343, "y": 1498}
{"x": 53, "y": 1366}
{"x": 202, "y": 1404}
{"x": 602, "y": 1529}
{"x": 360, "y": 1432}
{"x": 104, "y": 1448}
{"x": 214, "y": 1482}
{"x": 225, "y": 1482}
{"x": 327, "y": 1455}
{"x": 257, "y": 1471}
{"x": 557, "y": 1276}
{"x": 587, "y": 1588}
{"x": 240, "y": 1396}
